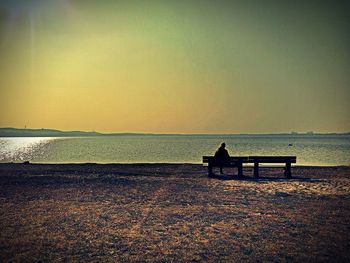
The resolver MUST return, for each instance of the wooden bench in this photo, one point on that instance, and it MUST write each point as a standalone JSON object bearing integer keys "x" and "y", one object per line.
{"x": 238, "y": 161}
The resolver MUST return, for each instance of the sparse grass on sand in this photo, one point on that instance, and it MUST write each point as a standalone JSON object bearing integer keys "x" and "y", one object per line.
{"x": 172, "y": 213}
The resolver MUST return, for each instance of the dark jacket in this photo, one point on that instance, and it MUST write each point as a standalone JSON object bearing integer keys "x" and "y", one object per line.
{"x": 221, "y": 154}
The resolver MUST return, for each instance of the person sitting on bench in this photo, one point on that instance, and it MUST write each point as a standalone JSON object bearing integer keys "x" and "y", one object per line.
{"x": 221, "y": 156}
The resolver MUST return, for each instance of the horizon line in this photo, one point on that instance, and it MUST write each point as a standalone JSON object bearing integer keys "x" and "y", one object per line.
{"x": 152, "y": 133}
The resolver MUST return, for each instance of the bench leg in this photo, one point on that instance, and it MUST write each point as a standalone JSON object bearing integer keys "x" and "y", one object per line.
{"x": 240, "y": 169}
{"x": 287, "y": 171}
{"x": 256, "y": 170}
{"x": 210, "y": 170}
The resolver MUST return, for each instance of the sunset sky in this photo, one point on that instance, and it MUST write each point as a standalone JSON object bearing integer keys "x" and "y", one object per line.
{"x": 175, "y": 66}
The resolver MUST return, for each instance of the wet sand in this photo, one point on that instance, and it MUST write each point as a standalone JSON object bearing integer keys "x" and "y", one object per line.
{"x": 172, "y": 213}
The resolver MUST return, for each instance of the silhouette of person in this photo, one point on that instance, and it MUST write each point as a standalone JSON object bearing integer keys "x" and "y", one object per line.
{"x": 221, "y": 156}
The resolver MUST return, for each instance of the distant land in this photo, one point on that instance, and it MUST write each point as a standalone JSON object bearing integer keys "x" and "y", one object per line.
{"x": 14, "y": 132}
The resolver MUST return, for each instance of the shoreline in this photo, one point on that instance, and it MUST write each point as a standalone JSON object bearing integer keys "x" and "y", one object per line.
{"x": 157, "y": 163}
{"x": 173, "y": 170}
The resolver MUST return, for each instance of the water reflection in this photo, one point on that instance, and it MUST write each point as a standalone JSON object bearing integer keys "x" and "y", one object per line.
{"x": 19, "y": 149}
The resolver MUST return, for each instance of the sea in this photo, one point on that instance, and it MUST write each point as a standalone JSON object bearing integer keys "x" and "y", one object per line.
{"x": 318, "y": 150}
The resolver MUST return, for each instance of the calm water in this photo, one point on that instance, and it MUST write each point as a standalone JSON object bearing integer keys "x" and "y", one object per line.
{"x": 310, "y": 150}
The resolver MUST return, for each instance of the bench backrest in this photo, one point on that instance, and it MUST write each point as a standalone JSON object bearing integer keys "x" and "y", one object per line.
{"x": 253, "y": 159}
{"x": 207, "y": 159}
{"x": 273, "y": 159}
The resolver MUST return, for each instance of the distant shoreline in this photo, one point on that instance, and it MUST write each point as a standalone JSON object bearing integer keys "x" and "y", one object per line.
{"x": 15, "y": 132}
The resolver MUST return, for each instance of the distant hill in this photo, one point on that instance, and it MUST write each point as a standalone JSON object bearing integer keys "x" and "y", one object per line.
{"x": 13, "y": 132}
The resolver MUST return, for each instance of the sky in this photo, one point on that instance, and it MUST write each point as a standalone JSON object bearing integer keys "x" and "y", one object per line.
{"x": 175, "y": 66}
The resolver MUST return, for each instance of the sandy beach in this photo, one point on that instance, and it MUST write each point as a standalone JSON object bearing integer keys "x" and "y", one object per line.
{"x": 172, "y": 213}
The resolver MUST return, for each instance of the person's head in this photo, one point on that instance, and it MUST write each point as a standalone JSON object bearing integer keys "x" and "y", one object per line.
{"x": 223, "y": 145}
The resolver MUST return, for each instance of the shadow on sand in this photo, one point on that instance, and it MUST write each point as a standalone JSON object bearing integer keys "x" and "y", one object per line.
{"x": 230, "y": 177}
